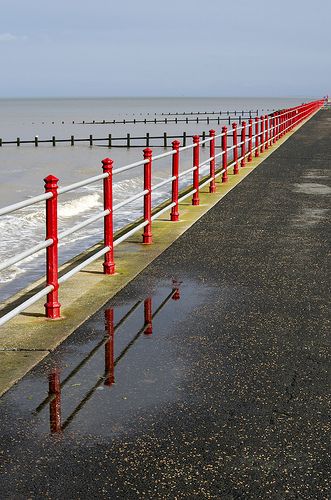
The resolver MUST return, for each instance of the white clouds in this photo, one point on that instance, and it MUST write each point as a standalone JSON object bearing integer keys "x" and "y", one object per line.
{"x": 9, "y": 37}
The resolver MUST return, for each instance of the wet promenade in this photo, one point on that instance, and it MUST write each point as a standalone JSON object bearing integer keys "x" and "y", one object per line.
{"x": 206, "y": 376}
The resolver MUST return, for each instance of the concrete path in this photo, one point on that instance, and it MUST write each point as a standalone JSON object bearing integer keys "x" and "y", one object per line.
{"x": 227, "y": 398}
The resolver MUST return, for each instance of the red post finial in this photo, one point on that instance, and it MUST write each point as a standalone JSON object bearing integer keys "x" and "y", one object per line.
{"x": 147, "y": 234}
{"x": 174, "y": 216}
{"x": 108, "y": 265}
{"x": 148, "y": 152}
{"x": 52, "y": 306}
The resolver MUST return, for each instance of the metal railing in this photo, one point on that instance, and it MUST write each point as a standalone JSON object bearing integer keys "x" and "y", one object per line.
{"x": 256, "y": 136}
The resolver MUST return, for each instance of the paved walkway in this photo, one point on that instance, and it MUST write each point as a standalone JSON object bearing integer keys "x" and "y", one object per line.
{"x": 227, "y": 398}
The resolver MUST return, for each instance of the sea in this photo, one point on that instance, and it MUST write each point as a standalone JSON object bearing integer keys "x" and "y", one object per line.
{"x": 23, "y": 168}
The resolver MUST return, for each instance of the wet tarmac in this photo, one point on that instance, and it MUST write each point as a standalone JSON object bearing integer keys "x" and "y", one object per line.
{"x": 206, "y": 377}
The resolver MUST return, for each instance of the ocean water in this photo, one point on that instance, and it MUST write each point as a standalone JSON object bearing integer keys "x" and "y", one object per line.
{"x": 22, "y": 169}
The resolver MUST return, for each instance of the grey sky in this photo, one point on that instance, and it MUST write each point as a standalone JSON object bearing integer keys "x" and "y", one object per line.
{"x": 165, "y": 48}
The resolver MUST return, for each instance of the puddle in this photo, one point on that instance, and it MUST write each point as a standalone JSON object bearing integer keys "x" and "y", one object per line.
{"x": 310, "y": 216}
{"x": 312, "y": 188}
{"x": 316, "y": 174}
{"x": 123, "y": 363}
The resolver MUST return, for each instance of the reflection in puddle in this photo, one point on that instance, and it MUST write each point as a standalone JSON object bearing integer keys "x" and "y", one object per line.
{"x": 54, "y": 400}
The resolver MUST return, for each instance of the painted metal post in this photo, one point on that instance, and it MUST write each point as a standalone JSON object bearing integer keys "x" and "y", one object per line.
{"x": 52, "y": 306}
{"x": 278, "y": 126}
{"x": 282, "y": 124}
{"x": 196, "y": 161}
{"x": 225, "y": 154}
{"x": 243, "y": 144}
{"x": 212, "y": 185}
{"x": 174, "y": 216}
{"x": 250, "y": 140}
{"x": 262, "y": 133}
{"x": 147, "y": 235}
{"x": 266, "y": 131}
{"x": 148, "y": 316}
{"x": 235, "y": 148}
{"x": 54, "y": 392}
{"x": 108, "y": 265}
{"x": 109, "y": 347}
{"x": 257, "y": 146}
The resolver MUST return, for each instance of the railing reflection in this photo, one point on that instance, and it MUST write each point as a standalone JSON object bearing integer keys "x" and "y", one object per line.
{"x": 55, "y": 401}
{"x": 108, "y": 379}
{"x": 109, "y": 347}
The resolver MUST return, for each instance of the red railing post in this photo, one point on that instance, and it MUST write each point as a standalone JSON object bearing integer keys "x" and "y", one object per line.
{"x": 225, "y": 154}
{"x": 282, "y": 124}
{"x": 54, "y": 392}
{"x": 243, "y": 144}
{"x": 147, "y": 235}
{"x": 250, "y": 140}
{"x": 52, "y": 306}
{"x": 274, "y": 118}
{"x": 277, "y": 125}
{"x": 148, "y": 316}
{"x": 235, "y": 149}
{"x": 174, "y": 216}
{"x": 109, "y": 347}
{"x": 196, "y": 175}
{"x": 212, "y": 185}
{"x": 108, "y": 264}
{"x": 262, "y": 133}
{"x": 266, "y": 131}
{"x": 257, "y": 145}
